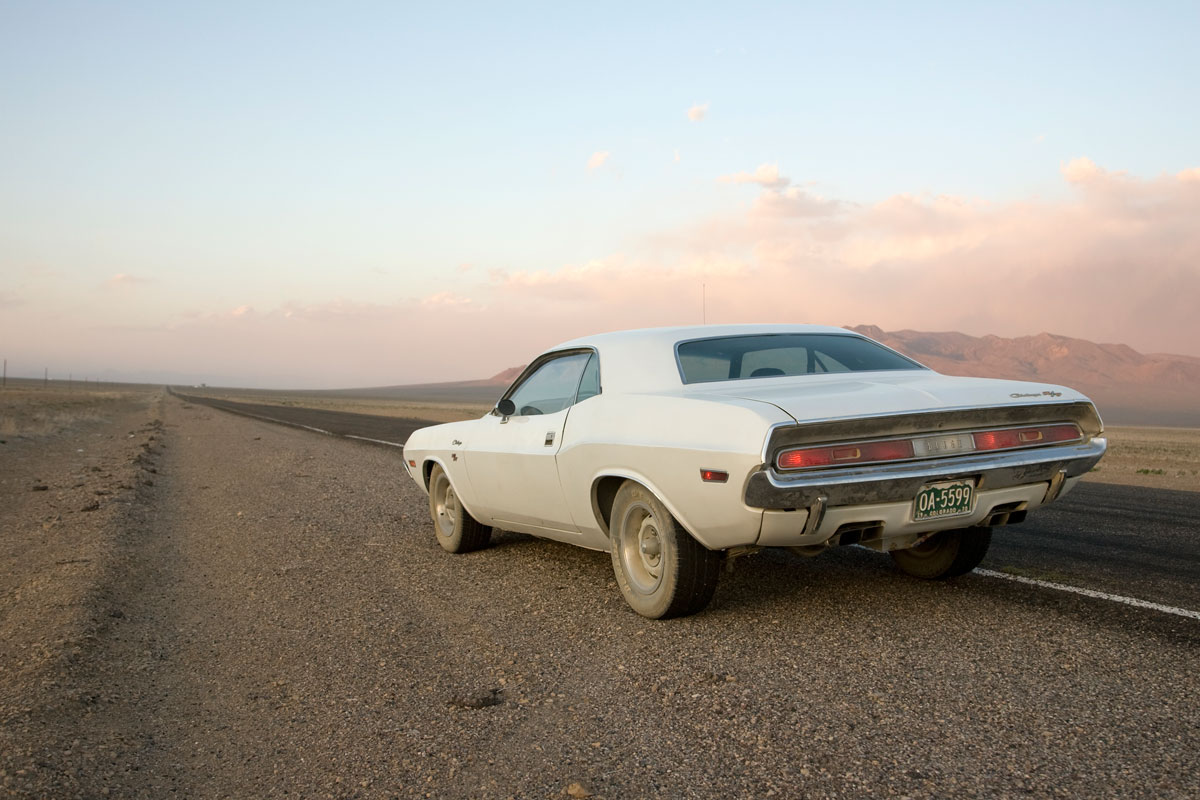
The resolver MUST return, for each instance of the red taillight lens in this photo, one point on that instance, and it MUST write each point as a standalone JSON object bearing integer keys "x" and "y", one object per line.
{"x": 1025, "y": 437}
{"x": 714, "y": 475}
{"x": 845, "y": 454}
{"x": 996, "y": 440}
{"x": 812, "y": 457}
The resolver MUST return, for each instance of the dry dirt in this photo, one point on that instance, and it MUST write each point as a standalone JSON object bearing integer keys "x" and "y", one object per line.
{"x": 197, "y": 604}
{"x": 1156, "y": 458}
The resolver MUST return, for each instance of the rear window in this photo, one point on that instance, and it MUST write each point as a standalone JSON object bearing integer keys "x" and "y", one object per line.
{"x": 730, "y": 358}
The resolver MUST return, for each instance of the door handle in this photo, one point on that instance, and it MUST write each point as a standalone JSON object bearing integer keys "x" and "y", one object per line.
{"x": 549, "y": 438}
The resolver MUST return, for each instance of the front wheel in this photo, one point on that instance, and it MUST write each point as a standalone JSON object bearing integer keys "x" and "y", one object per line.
{"x": 662, "y": 571}
{"x": 945, "y": 554}
{"x": 457, "y": 531}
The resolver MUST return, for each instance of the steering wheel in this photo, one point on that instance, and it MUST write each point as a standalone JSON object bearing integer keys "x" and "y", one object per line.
{"x": 528, "y": 411}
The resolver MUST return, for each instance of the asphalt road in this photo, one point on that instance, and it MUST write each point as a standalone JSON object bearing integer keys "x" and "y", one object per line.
{"x": 1123, "y": 540}
{"x": 393, "y": 430}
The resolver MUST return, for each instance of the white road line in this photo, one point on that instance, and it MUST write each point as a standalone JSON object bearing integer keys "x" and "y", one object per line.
{"x": 272, "y": 419}
{"x": 282, "y": 422}
{"x": 369, "y": 439}
{"x": 1115, "y": 598}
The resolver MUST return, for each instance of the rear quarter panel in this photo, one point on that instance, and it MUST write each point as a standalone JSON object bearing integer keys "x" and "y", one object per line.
{"x": 663, "y": 442}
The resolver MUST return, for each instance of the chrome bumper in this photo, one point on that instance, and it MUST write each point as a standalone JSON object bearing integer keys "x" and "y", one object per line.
{"x": 884, "y": 483}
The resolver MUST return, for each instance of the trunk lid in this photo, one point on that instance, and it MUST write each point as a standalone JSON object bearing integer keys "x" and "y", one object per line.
{"x": 808, "y": 398}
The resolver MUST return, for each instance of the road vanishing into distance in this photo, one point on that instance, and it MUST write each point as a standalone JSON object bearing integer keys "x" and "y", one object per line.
{"x": 1124, "y": 541}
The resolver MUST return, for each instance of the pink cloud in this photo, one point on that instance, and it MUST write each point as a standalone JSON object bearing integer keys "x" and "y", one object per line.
{"x": 698, "y": 112}
{"x": 124, "y": 281}
{"x": 766, "y": 175}
{"x": 449, "y": 300}
{"x": 597, "y": 159}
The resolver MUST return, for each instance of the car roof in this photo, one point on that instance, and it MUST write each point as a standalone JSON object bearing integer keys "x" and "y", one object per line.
{"x": 643, "y": 360}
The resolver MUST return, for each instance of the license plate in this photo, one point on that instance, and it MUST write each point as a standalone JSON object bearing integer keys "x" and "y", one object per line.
{"x": 949, "y": 499}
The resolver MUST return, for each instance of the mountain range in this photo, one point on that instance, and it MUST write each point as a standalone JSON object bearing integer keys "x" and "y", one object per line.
{"x": 1128, "y": 387}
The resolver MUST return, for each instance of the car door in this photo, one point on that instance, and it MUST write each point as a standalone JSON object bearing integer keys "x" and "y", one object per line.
{"x": 511, "y": 460}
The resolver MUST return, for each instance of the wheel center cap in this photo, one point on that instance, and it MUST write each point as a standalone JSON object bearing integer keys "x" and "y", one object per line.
{"x": 648, "y": 541}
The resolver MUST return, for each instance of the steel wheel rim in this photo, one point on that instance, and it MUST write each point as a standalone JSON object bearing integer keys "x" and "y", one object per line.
{"x": 445, "y": 507}
{"x": 640, "y": 547}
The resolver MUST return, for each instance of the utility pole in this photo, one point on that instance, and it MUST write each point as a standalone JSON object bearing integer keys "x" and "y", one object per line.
{"x": 6, "y": 373}
{"x": 46, "y": 378}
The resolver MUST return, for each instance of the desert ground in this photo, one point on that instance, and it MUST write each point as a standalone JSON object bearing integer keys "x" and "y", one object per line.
{"x": 200, "y": 604}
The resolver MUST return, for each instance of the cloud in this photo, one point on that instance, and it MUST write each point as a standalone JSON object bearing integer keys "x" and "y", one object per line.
{"x": 124, "y": 281}
{"x": 766, "y": 175}
{"x": 598, "y": 159}
{"x": 698, "y": 112}
{"x": 793, "y": 201}
{"x": 677, "y": 158}
{"x": 1080, "y": 170}
{"x": 448, "y": 300}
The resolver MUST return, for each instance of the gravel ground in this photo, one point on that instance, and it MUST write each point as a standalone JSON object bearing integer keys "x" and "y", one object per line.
{"x": 273, "y": 617}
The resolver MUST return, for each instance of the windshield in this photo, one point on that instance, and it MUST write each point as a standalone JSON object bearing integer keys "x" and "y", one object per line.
{"x": 771, "y": 355}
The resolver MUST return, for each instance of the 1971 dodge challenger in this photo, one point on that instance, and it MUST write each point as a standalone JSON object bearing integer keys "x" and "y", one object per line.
{"x": 676, "y": 448}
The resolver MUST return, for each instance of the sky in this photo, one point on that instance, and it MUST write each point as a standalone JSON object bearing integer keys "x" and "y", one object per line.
{"x": 321, "y": 195}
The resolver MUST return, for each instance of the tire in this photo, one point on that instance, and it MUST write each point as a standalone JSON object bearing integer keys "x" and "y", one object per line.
{"x": 661, "y": 570}
{"x": 457, "y": 531}
{"x": 945, "y": 554}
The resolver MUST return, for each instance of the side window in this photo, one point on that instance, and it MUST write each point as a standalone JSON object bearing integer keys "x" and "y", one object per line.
{"x": 551, "y": 387}
{"x": 590, "y": 385}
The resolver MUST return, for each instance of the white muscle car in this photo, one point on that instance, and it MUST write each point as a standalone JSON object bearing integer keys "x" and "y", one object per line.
{"x": 676, "y": 448}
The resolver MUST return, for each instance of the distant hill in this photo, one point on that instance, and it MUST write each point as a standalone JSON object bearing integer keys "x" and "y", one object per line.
{"x": 1128, "y": 387}
{"x": 507, "y": 376}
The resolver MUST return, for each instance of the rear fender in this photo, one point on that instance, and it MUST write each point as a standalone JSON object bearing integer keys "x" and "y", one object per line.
{"x": 604, "y": 490}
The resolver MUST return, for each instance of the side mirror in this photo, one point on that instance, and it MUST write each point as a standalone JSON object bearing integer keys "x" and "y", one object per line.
{"x": 506, "y": 408}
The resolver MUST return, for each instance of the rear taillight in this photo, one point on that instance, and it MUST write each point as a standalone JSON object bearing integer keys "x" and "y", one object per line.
{"x": 925, "y": 446}
{"x": 860, "y": 453}
{"x": 1024, "y": 437}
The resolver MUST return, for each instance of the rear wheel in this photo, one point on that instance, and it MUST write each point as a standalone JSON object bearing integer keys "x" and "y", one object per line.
{"x": 945, "y": 554}
{"x": 457, "y": 531}
{"x": 662, "y": 571}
